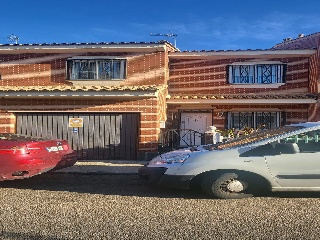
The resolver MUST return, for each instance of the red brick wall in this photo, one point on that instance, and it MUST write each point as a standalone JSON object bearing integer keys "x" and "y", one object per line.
{"x": 209, "y": 77}
{"x": 148, "y": 109}
{"x": 7, "y": 122}
{"x": 293, "y": 113}
{"x": 205, "y": 76}
{"x": 148, "y": 69}
{"x": 49, "y": 70}
{"x": 314, "y": 109}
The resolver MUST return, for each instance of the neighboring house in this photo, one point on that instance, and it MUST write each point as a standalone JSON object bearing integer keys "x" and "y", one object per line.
{"x": 301, "y": 42}
{"x": 311, "y": 41}
{"x": 114, "y": 100}
{"x": 107, "y": 99}
{"x": 241, "y": 89}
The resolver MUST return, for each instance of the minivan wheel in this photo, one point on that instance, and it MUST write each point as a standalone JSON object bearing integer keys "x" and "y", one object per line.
{"x": 226, "y": 186}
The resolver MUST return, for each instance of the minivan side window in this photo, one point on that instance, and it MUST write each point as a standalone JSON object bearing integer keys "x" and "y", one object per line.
{"x": 306, "y": 142}
{"x": 260, "y": 151}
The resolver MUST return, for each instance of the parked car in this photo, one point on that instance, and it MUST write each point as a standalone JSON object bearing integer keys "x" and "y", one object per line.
{"x": 23, "y": 156}
{"x": 282, "y": 159}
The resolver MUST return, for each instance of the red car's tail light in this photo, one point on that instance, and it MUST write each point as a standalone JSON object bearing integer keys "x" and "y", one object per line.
{"x": 65, "y": 147}
{"x": 15, "y": 150}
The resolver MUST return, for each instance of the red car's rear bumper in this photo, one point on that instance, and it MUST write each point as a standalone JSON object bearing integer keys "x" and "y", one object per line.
{"x": 67, "y": 160}
{"x": 11, "y": 169}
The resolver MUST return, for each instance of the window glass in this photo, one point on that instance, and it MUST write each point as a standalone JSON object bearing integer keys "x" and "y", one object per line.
{"x": 266, "y": 120}
{"x": 256, "y": 74}
{"x": 240, "y": 120}
{"x": 256, "y": 120}
{"x": 242, "y": 74}
{"x": 101, "y": 69}
{"x": 269, "y": 73}
{"x": 307, "y": 142}
{"x": 263, "y": 150}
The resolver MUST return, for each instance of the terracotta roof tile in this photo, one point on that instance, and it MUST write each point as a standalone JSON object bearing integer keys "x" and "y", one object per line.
{"x": 86, "y": 43}
{"x": 78, "y": 88}
{"x": 246, "y": 96}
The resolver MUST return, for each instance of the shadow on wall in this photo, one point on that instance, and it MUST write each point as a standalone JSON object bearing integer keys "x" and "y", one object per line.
{"x": 114, "y": 153}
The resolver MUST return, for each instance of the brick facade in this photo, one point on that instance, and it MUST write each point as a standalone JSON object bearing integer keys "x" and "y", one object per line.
{"x": 181, "y": 82}
{"x": 33, "y": 70}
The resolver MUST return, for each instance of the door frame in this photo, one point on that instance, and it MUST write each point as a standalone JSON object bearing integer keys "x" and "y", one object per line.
{"x": 193, "y": 112}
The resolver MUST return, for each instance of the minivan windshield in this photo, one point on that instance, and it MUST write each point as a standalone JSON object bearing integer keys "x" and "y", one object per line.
{"x": 257, "y": 136}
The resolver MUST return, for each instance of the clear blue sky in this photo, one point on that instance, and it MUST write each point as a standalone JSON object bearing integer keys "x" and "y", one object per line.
{"x": 199, "y": 25}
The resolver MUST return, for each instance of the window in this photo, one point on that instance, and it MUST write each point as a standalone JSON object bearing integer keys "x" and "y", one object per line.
{"x": 96, "y": 69}
{"x": 307, "y": 141}
{"x": 261, "y": 120}
{"x": 256, "y": 74}
{"x": 260, "y": 151}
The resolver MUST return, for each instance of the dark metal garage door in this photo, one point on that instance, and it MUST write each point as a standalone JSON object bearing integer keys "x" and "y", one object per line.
{"x": 101, "y": 136}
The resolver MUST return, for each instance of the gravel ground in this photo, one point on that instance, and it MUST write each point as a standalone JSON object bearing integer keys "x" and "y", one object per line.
{"x": 77, "y": 206}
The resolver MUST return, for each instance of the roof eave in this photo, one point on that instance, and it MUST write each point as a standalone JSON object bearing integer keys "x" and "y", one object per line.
{"x": 240, "y": 101}
{"x": 242, "y": 54}
{"x": 79, "y": 94}
{"x": 75, "y": 48}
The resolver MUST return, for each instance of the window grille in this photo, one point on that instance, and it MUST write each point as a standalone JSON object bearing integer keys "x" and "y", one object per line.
{"x": 257, "y": 74}
{"x": 256, "y": 120}
{"x": 100, "y": 69}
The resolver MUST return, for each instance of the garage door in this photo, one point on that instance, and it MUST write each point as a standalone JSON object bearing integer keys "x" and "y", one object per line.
{"x": 95, "y": 136}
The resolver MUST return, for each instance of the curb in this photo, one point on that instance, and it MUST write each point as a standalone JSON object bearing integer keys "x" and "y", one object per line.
{"x": 110, "y": 167}
{"x": 93, "y": 173}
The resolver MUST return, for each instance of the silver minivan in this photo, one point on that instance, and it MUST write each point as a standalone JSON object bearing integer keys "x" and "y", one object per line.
{"x": 282, "y": 159}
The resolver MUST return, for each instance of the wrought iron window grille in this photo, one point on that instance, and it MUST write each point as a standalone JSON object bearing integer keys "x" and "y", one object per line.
{"x": 257, "y": 74}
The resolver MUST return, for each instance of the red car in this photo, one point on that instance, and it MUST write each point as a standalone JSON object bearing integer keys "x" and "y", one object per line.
{"x": 23, "y": 156}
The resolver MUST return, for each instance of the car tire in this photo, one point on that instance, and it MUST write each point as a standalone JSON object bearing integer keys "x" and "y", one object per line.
{"x": 226, "y": 186}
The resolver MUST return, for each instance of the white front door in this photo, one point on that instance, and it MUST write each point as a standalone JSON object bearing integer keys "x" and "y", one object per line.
{"x": 198, "y": 122}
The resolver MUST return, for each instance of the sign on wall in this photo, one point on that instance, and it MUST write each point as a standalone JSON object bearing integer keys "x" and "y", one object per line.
{"x": 75, "y": 122}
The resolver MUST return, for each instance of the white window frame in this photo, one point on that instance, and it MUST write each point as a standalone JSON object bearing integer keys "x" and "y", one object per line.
{"x": 253, "y": 72}
{"x": 95, "y": 73}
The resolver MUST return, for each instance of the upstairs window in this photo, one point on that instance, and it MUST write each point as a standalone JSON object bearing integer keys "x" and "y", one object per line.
{"x": 256, "y": 74}
{"x": 96, "y": 69}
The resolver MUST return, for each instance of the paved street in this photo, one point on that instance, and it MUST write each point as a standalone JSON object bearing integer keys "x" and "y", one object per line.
{"x": 99, "y": 206}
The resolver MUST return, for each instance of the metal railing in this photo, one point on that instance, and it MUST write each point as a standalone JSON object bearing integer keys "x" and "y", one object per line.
{"x": 177, "y": 138}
